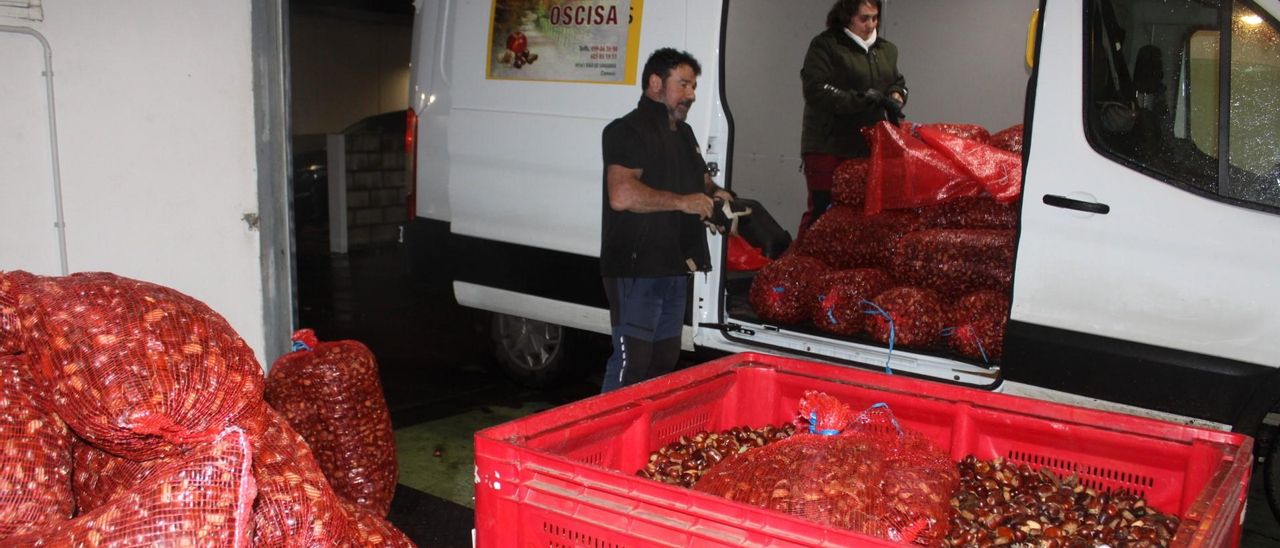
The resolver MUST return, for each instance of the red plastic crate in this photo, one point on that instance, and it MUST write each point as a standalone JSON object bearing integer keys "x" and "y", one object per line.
{"x": 566, "y": 477}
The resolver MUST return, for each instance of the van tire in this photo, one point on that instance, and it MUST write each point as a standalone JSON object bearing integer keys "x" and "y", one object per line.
{"x": 533, "y": 353}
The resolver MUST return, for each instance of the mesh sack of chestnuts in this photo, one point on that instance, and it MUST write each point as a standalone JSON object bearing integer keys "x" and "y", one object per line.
{"x": 784, "y": 291}
{"x": 1009, "y": 139}
{"x": 840, "y": 299}
{"x": 200, "y": 498}
{"x": 330, "y": 394}
{"x": 35, "y": 454}
{"x": 977, "y": 325}
{"x": 906, "y": 316}
{"x": 975, "y": 212}
{"x": 845, "y": 238}
{"x": 862, "y": 473}
{"x": 955, "y": 262}
{"x": 99, "y": 476}
{"x": 849, "y": 183}
{"x": 297, "y": 507}
{"x": 137, "y": 369}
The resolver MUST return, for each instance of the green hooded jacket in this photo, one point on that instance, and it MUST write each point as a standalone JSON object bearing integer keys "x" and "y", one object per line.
{"x": 836, "y": 74}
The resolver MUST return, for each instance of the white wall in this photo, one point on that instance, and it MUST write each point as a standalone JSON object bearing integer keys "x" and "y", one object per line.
{"x": 963, "y": 61}
{"x": 155, "y": 123}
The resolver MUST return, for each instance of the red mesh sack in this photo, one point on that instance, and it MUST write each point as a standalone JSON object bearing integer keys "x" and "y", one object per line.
{"x": 977, "y": 325}
{"x": 849, "y": 183}
{"x": 136, "y": 369}
{"x": 785, "y": 291}
{"x": 296, "y": 506}
{"x": 906, "y": 316}
{"x": 100, "y": 476}
{"x": 35, "y": 455}
{"x": 954, "y": 262}
{"x": 1009, "y": 139}
{"x": 371, "y": 529}
{"x": 980, "y": 212}
{"x": 906, "y": 173}
{"x": 867, "y": 475}
{"x": 971, "y": 132}
{"x": 840, "y": 296}
{"x": 200, "y": 498}
{"x": 997, "y": 170}
{"x": 742, "y": 256}
{"x": 845, "y": 238}
{"x": 330, "y": 394}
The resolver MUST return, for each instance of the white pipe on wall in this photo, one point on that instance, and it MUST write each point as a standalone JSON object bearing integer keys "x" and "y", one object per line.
{"x": 60, "y": 223}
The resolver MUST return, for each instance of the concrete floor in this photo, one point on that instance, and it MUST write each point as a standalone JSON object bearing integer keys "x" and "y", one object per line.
{"x": 436, "y": 372}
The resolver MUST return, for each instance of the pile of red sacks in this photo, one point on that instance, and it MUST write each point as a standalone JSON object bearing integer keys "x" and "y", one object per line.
{"x": 135, "y": 416}
{"x": 918, "y": 248}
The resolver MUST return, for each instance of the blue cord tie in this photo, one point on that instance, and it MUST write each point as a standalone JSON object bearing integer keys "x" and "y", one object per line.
{"x": 831, "y": 311}
{"x": 949, "y": 331}
{"x": 299, "y": 345}
{"x": 892, "y": 333}
{"x": 813, "y": 429}
{"x": 778, "y": 289}
{"x": 892, "y": 419}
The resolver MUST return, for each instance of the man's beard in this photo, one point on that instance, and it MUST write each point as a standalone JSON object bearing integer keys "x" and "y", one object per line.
{"x": 677, "y": 114}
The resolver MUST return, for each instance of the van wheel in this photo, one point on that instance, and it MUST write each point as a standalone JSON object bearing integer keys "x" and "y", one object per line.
{"x": 531, "y": 352}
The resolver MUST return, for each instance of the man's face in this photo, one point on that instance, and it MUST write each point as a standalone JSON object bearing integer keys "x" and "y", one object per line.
{"x": 677, "y": 91}
{"x": 865, "y": 21}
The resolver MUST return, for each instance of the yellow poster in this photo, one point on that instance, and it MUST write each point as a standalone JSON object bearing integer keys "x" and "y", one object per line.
{"x": 565, "y": 40}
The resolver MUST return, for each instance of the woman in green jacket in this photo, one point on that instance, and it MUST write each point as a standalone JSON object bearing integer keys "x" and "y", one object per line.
{"x": 851, "y": 81}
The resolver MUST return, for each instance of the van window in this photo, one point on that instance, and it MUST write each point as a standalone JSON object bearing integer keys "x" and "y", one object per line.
{"x": 1255, "y": 107}
{"x": 1154, "y": 94}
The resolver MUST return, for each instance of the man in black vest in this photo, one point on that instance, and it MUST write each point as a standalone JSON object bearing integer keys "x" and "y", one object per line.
{"x": 657, "y": 191}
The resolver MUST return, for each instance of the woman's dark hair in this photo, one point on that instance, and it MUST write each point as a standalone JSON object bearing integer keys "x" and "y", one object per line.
{"x": 665, "y": 60}
{"x": 844, "y": 10}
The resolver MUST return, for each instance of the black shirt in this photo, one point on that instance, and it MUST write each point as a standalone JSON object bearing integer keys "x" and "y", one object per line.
{"x": 643, "y": 245}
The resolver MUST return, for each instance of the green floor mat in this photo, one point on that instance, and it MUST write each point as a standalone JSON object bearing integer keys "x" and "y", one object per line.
{"x": 438, "y": 457}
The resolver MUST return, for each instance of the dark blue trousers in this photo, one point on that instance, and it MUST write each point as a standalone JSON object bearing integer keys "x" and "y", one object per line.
{"x": 646, "y": 315}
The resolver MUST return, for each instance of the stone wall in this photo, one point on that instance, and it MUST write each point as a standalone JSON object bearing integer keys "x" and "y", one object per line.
{"x": 377, "y": 186}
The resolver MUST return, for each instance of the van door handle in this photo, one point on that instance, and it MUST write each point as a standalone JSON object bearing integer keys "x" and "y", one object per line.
{"x": 1078, "y": 205}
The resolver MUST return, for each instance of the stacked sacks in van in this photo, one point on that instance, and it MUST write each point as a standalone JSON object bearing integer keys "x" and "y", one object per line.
{"x": 917, "y": 249}
{"x": 146, "y": 417}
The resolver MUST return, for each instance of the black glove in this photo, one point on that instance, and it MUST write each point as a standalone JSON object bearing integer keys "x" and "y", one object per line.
{"x": 873, "y": 97}
{"x": 893, "y": 110}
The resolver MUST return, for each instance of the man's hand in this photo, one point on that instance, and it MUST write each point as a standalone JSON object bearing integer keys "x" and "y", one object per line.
{"x": 696, "y": 204}
{"x": 873, "y": 97}
{"x": 893, "y": 109}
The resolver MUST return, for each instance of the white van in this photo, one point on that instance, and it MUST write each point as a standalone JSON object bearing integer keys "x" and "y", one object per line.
{"x": 1147, "y": 270}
